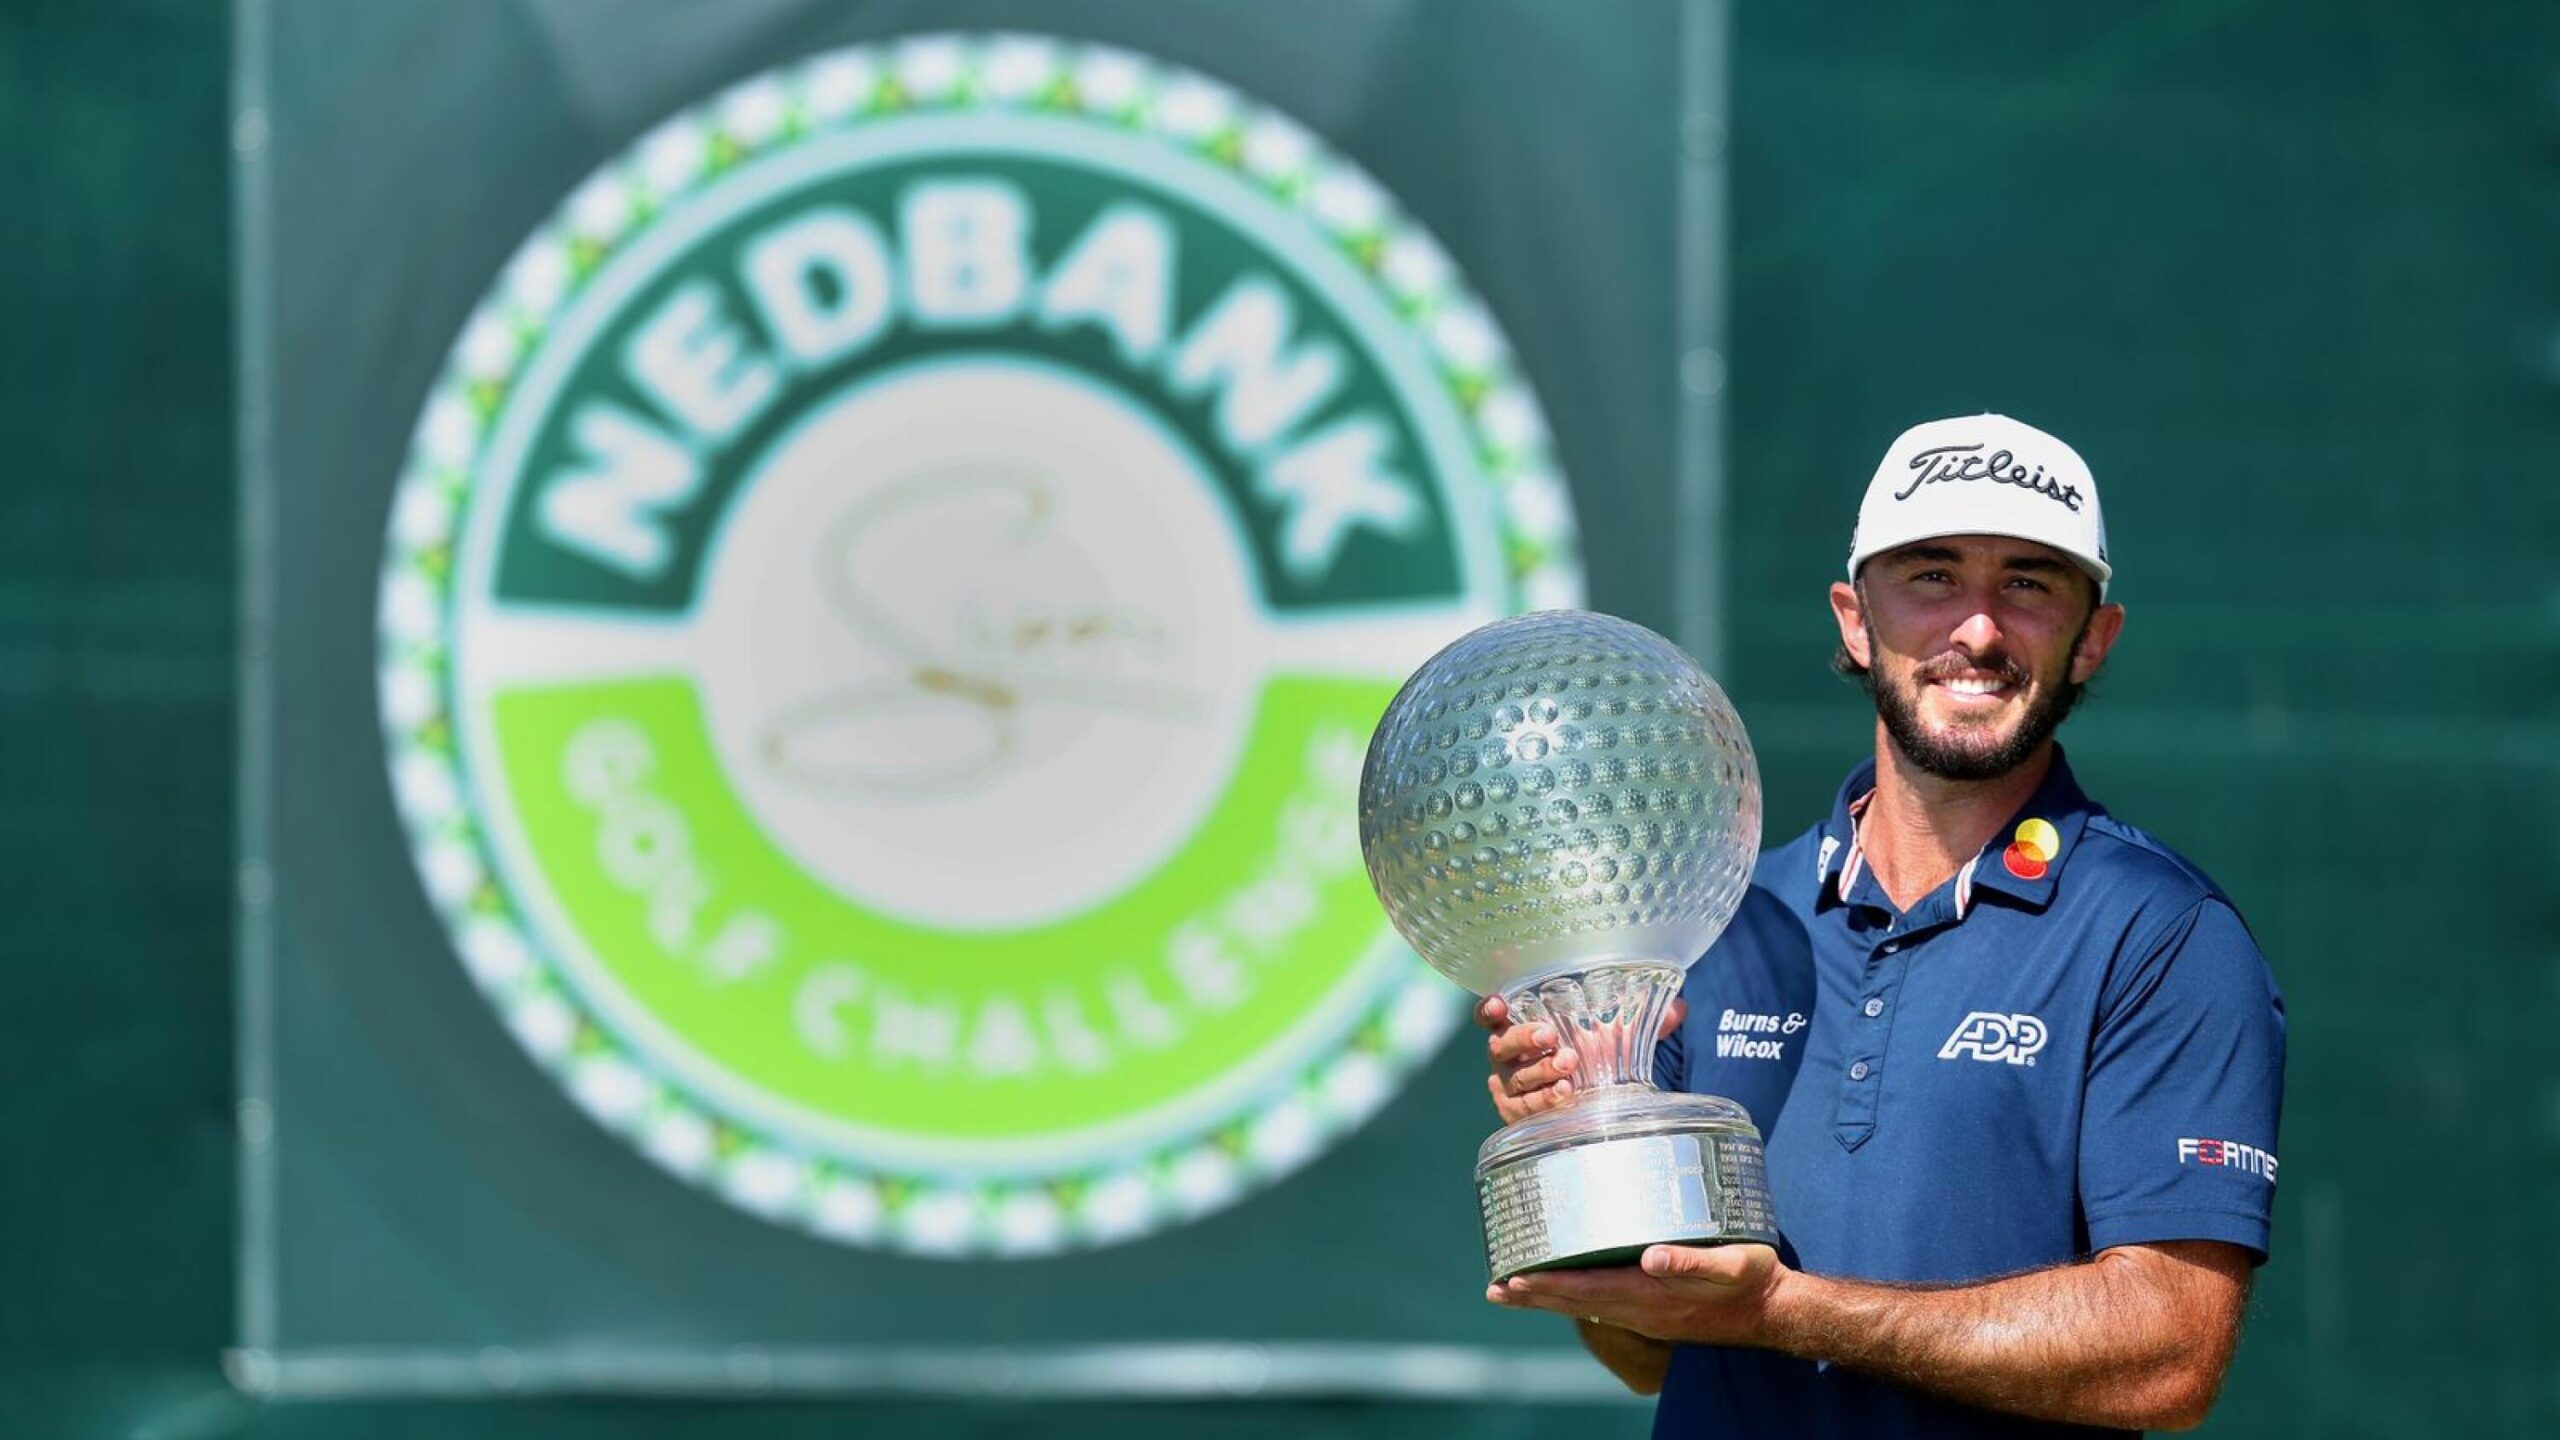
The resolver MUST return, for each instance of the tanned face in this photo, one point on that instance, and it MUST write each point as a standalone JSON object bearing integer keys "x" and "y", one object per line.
{"x": 1975, "y": 647}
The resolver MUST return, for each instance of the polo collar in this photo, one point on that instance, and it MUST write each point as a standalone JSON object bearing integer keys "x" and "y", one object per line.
{"x": 2024, "y": 859}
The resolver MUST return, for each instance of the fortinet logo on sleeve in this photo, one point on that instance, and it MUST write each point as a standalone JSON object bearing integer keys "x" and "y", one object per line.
{"x": 1990, "y": 1035}
{"x": 2230, "y": 1154}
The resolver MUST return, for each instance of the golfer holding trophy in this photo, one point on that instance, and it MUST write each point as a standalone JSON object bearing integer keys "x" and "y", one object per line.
{"x": 2022, "y": 1140}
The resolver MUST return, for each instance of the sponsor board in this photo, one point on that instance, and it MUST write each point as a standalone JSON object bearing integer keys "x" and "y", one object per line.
{"x": 881, "y": 620}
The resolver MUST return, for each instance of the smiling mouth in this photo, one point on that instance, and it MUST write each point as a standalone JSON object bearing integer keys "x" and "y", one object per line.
{"x": 1975, "y": 685}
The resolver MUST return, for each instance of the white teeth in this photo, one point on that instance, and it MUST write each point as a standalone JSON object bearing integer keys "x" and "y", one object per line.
{"x": 1975, "y": 687}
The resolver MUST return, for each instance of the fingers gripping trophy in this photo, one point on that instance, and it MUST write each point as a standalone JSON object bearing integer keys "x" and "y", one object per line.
{"x": 1562, "y": 808}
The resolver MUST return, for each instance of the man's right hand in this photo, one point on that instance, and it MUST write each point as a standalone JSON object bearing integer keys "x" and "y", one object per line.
{"x": 1531, "y": 1072}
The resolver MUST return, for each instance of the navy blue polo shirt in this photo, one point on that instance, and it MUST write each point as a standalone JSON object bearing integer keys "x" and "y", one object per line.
{"x": 2073, "y": 1044}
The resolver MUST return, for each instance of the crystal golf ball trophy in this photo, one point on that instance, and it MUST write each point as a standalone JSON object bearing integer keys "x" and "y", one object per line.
{"x": 1562, "y": 808}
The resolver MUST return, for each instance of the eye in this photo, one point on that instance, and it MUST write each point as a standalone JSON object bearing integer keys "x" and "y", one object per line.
{"x": 2029, "y": 582}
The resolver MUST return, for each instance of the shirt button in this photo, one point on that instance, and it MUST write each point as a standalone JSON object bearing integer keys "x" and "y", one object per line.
{"x": 1891, "y": 946}
{"x": 1875, "y": 1007}
{"x": 1858, "y": 1071}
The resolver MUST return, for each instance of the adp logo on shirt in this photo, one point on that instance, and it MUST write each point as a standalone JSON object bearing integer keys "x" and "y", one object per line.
{"x": 1990, "y": 1035}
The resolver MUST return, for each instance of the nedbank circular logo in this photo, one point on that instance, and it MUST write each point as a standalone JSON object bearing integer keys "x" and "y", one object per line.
{"x": 884, "y": 613}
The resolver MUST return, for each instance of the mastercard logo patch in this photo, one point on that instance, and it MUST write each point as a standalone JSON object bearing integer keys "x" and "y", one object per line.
{"x": 2032, "y": 849}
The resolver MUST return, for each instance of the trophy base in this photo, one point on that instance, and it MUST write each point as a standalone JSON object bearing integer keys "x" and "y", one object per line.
{"x": 1594, "y": 1183}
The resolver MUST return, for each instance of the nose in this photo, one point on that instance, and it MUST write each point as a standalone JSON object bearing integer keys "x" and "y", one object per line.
{"x": 1978, "y": 635}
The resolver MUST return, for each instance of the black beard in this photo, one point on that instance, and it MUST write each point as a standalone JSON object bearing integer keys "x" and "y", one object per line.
{"x": 1900, "y": 713}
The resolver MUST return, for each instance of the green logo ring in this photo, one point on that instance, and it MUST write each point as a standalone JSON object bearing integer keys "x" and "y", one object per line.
{"x": 1053, "y": 1201}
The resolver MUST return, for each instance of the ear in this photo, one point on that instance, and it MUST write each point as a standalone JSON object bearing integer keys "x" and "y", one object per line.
{"x": 2105, "y": 624}
{"x": 1852, "y": 619}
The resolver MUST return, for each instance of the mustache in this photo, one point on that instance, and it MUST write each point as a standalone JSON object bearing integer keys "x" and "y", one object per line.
{"x": 1955, "y": 663}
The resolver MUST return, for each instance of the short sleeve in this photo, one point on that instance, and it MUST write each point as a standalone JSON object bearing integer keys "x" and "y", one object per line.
{"x": 2186, "y": 1079}
{"x": 1750, "y": 1005}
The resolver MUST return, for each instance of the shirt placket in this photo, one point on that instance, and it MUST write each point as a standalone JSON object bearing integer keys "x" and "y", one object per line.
{"x": 1870, "y": 1028}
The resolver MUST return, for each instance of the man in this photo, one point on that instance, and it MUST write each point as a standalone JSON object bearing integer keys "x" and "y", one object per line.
{"x": 2025, "y": 1166}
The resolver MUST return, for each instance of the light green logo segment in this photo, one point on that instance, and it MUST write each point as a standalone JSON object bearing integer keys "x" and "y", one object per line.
{"x": 883, "y": 616}
{"x": 856, "y": 1019}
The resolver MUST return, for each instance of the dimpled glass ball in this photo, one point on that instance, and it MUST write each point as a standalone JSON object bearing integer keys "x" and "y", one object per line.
{"x": 1557, "y": 791}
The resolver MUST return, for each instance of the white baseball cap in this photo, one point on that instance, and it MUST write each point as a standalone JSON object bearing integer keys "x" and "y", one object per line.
{"x": 1983, "y": 475}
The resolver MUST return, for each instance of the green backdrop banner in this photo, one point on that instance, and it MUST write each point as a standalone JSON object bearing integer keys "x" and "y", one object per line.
{"x": 2280, "y": 268}
{"x": 819, "y": 588}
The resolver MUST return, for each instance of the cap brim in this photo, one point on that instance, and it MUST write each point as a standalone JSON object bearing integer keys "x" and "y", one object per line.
{"x": 2096, "y": 569}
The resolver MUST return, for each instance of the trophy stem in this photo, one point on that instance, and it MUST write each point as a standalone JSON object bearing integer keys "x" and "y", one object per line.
{"x": 1609, "y": 1015}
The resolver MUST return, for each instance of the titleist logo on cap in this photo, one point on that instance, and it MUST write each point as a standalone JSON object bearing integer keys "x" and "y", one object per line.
{"x": 1967, "y": 462}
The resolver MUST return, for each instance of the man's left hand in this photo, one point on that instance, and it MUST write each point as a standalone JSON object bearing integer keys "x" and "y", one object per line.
{"x": 1711, "y": 1295}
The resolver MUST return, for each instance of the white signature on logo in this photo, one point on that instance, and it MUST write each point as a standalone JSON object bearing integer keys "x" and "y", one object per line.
{"x": 982, "y": 675}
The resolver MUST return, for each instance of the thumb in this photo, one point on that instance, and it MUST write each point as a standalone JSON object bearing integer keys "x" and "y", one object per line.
{"x": 1743, "y": 1266}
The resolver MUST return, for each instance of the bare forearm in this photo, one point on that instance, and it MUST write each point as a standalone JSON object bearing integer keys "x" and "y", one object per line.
{"x": 2138, "y": 1337}
{"x": 1639, "y": 1361}
{"x": 2111, "y": 1342}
